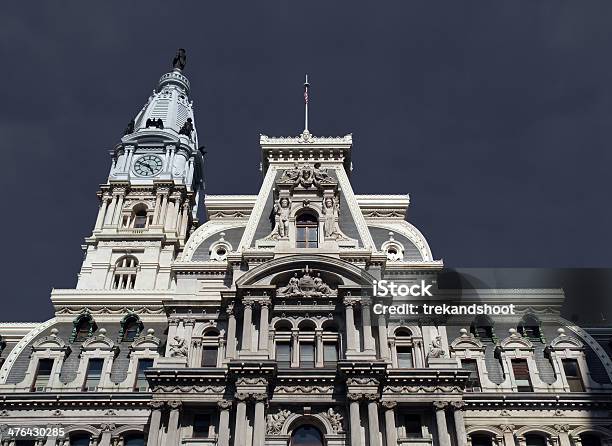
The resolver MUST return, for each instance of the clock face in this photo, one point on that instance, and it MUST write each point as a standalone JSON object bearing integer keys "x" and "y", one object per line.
{"x": 148, "y": 165}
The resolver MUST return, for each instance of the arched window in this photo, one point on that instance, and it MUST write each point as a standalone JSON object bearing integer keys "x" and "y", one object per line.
{"x": 140, "y": 217}
{"x": 83, "y": 328}
{"x": 590, "y": 440}
{"x": 210, "y": 348}
{"x": 80, "y": 439}
{"x": 403, "y": 348}
{"x": 126, "y": 269}
{"x": 135, "y": 439}
{"x": 131, "y": 327}
{"x": 307, "y": 231}
{"x": 306, "y": 436}
{"x": 534, "y": 440}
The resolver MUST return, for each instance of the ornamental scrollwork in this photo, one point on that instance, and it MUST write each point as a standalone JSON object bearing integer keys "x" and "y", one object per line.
{"x": 306, "y": 286}
{"x": 275, "y": 422}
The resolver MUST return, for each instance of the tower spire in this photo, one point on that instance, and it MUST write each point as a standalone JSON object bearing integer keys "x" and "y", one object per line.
{"x": 306, "y": 85}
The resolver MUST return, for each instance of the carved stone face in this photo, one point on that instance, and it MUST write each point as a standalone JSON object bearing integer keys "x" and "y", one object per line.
{"x": 284, "y": 202}
{"x": 329, "y": 202}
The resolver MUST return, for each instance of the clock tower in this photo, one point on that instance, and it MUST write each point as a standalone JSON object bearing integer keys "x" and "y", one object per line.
{"x": 148, "y": 205}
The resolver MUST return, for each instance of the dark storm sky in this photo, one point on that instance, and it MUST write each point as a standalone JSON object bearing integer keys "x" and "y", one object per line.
{"x": 495, "y": 116}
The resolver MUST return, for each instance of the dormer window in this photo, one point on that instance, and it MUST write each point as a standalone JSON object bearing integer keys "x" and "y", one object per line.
{"x": 307, "y": 231}
{"x": 84, "y": 326}
{"x": 131, "y": 327}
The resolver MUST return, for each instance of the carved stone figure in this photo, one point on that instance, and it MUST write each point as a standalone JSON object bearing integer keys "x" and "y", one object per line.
{"x": 321, "y": 175}
{"x": 178, "y": 348}
{"x": 306, "y": 286}
{"x": 330, "y": 213}
{"x": 321, "y": 286}
{"x": 187, "y": 128}
{"x": 180, "y": 60}
{"x": 436, "y": 350}
{"x": 275, "y": 422}
{"x": 129, "y": 129}
{"x": 282, "y": 209}
{"x": 292, "y": 287}
{"x": 335, "y": 419}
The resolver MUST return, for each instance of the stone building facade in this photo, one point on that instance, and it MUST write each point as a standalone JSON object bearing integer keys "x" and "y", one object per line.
{"x": 256, "y": 327}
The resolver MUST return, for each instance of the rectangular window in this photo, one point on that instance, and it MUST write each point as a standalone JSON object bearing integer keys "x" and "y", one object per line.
{"x": 209, "y": 356}
{"x": 142, "y": 385}
{"x": 140, "y": 221}
{"x": 412, "y": 425}
{"x": 473, "y": 383}
{"x": 307, "y": 237}
{"x": 43, "y": 374}
{"x": 572, "y": 373}
{"x": 307, "y": 355}
{"x": 94, "y": 374}
{"x": 521, "y": 375}
{"x": 201, "y": 425}
{"x": 283, "y": 355}
{"x": 330, "y": 354}
{"x": 404, "y": 357}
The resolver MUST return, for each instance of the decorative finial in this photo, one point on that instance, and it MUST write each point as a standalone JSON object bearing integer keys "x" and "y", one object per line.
{"x": 180, "y": 59}
{"x": 306, "y": 85}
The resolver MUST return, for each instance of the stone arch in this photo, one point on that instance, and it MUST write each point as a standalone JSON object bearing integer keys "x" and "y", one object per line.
{"x": 296, "y": 420}
{"x": 409, "y": 231}
{"x": 416, "y": 332}
{"x": 280, "y": 322}
{"x": 544, "y": 430}
{"x": 204, "y": 328}
{"x": 487, "y": 430}
{"x": 85, "y": 428}
{"x": 599, "y": 430}
{"x": 307, "y": 324}
{"x": 128, "y": 429}
{"x": 339, "y": 268}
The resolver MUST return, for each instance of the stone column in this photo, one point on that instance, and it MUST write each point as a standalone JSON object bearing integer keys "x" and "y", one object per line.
{"x": 264, "y": 326}
{"x": 118, "y": 208}
{"x": 173, "y": 423}
{"x": 224, "y": 418}
{"x": 355, "y": 420}
{"x": 418, "y": 356}
{"x": 240, "y": 428}
{"x": 164, "y": 204}
{"x": 184, "y": 219}
{"x": 385, "y": 353}
{"x": 295, "y": 349}
{"x": 111, "y": 210}
{"x": 443, "y": 437}
{"x": 577, "y": 441}
{"x": 102, "y": 212}
{"x": 459, "y": 422}
{"x": 155, "y": 423}
{"x": 508, "y": 430}
{"x": 319, "y": 349}
{"x": 564, "y": 439}
{"x": 366, "y": 325}
{"x": 351, "y": 339}
{"x": 390, "y": 427}
{"x": 522, "y": 441}
{"x": 394, "y": 362}
{"x": 105, "y": 438}
{"x": 259, "y": 428}
{"x": 247, "y": 321}
{"x": 231, "y": 331}
{"x": 156, "y": 210}
{"x": 373, "y": 424}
